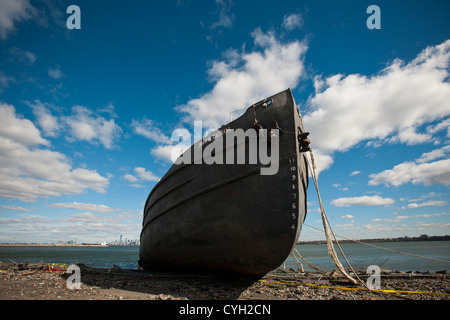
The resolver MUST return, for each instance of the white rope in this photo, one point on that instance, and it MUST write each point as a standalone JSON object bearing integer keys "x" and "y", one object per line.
{"x": 299, "y": 264}
{"x": 306, "y": 261}
{"x": 326, "y": 222}
{"x": 331, "y": 251}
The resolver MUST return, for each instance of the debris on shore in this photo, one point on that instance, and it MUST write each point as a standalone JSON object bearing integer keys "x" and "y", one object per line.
{"x": 49, "y": 282}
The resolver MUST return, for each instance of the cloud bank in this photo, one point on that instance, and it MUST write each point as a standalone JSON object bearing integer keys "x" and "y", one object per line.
{"x": 245, "y": 78}
{"x": 30, "y": 170}
{"x": 389, "y": 106}
{"x": 362, "y": 201}
{"x": 420, "y": 171}
{"x": 13, "y": 12}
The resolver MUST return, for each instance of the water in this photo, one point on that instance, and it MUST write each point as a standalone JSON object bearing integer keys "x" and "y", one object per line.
{"x": 360, "y": 256}
{"x": 99, "y": 257}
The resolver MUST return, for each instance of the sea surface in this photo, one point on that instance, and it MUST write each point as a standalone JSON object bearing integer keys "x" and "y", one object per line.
{"x": 98, "y": 257}
{"x": 359, "y": 256}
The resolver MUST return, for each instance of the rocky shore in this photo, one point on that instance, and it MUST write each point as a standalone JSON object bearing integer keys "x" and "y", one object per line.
{"x": 43, "y": 282}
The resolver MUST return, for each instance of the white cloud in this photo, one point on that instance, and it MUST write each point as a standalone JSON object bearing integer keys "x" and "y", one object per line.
{"x": 55, "y": 73}
{"x": 84, "y": 125}
{"x": 130, "y": 178}
{"x": 140, "y": 175}
{"x": 148, "y": 129}
{"x": 4, "y": 81}
{"x": 85, "y": 217}
{"x": 417, "y": 172}
{"x": 16, "y": 129}
{"x": 145, "y": 175}
{"x": 346, "y": 226}
{"x": 14, "y": 208}
{"x": 378, "y": 229}
{"x": 101, "y": 220}
{"x": 338, "y": 185}
{"x": 401, "y": 218}
{"x": 109, "y": 109}
{"x": 48, "y": 123}
{"x": 409, "y": 136}
{"x": 322, "y": 160}
{"x": 29, "y": 171}
{"x": 163, "y": 152}
{"x": 354, "y": 173}
{"x": 137, "y": 185}
{"x": 84, "y": 206}
{"x": 389, "y": 105}
{"x": 245, "y": 78}
{"x": 422, "y": 197}
{"x": 84, "y": 226}
{"x": 240, "y": 80}
{"x": 225, "y": 16}
{"x": 292, "y": 21}
{"x": 445, "y": 124}
{"x": 430, "y": 215}
{"x": 362, "y": 201}
{"x": 435, "y": 154}
{"x": 347, "y": 216}
{"x": 12, "y": 12}
{"x": 23, "y": 56}
{"x": 425, "y": 204}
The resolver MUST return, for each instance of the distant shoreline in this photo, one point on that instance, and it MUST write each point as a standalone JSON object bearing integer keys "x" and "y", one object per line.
{"x": 399, "y": 239}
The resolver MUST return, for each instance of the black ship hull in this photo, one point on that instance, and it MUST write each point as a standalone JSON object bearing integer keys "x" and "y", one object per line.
{"x": 230, "y": 218}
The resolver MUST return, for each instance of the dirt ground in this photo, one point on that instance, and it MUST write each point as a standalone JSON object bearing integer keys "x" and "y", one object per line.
{"x": 36, "y": 282}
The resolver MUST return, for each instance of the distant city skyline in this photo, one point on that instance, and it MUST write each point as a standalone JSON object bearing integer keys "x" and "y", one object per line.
{"x": 117, "y": 242}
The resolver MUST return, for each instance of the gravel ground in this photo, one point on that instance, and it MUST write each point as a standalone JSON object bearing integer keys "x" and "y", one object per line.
{"x": 33, "y": 282}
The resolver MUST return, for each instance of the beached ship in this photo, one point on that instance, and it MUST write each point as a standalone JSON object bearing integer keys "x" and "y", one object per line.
{"x": 231, "y": 218}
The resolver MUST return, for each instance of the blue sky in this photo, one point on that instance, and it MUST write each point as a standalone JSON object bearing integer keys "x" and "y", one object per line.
{"x": 86, "y": 115}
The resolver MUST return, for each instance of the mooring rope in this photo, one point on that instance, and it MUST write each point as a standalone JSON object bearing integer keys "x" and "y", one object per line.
{"x": 306, "y": 261}
{"x": 326, "y": 222}
{"x": 331, "y": 251}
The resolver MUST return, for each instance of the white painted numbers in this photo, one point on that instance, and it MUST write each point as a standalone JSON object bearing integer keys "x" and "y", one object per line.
{"x": 74, "y": 20}
{"x": 293, "y": 168}
{"x": 374, "y": 21}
